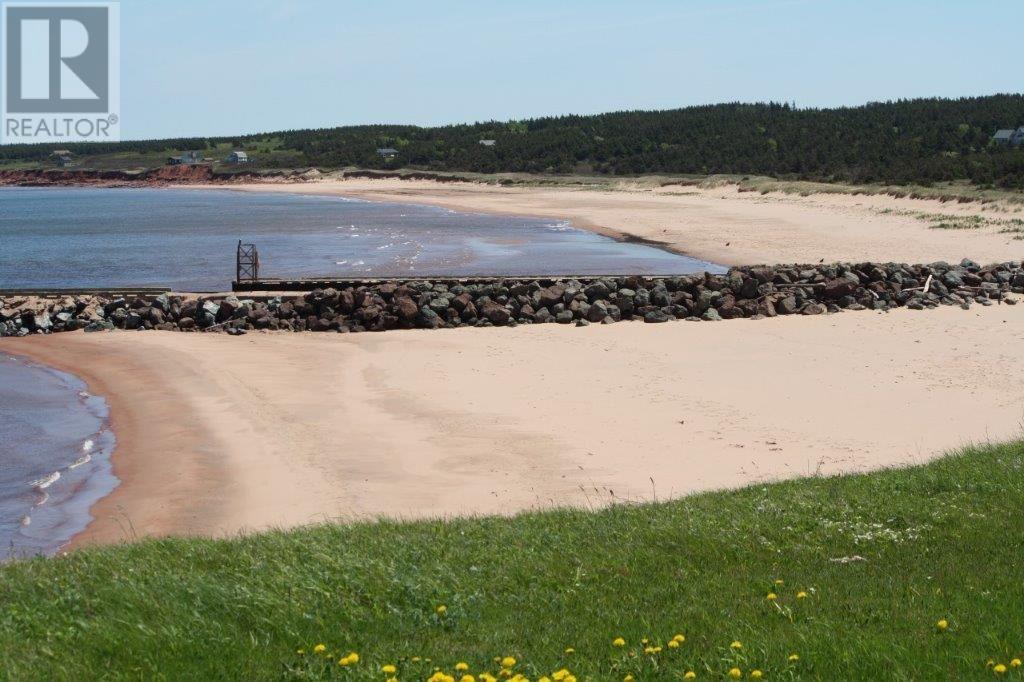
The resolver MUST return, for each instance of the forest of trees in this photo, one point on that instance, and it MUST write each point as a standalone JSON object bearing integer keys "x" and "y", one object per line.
{"x": 919, "y": 141}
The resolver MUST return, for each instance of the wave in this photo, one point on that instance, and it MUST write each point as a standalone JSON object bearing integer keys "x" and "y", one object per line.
{"x": 44, "y": 483}
{"x": 84, "y": 459}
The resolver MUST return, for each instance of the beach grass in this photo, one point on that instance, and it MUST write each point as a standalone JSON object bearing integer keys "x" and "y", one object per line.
{"x": 901, "y": 574}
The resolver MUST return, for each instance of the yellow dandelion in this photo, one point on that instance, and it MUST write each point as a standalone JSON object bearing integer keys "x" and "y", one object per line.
{"x": 467, "y": 678}
{"x": 441, "y": 610}
{"x": 560, "y": 675}
{"x": 570, "y": 678}
{"x": 1000, "y": 669}
{"x": 508, "y": 662}
{"x": 505, "y": 672}
{"x": 1015, "y": 663}
{"x": 801, "y": 595}
{"x": 319, "y": 649}
{"x": 679, "y": 638}
{"x": 462, "y": 667}
{"x": 545, "y": 678}
{"x": 388, "y": 669}
{"x": 793, "y": 658}
{"x": 627, "y": 678}
{"x": 570, "y": 650}
{"x": 487, "y": 677}
{"x": 735, "y": 673}
{"x": 736, "y": 645}
{"x": 343, "y": 661}
{"x": 673, "y": 644}
{"x": 756, "y": 674}
{"x": 391, "y": 679}
{"x": 942, "y": 625}
{"x": 772, "y": 596}
{"x": 779, "y": 582}
{"x": 353, "y": 657}
{"x": 618, "y": 641}
{"x": 415, "y": 659}
{"x": 690, "y": 675}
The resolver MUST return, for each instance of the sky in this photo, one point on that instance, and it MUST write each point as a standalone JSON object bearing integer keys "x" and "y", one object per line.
{"x": 223, "y": 67}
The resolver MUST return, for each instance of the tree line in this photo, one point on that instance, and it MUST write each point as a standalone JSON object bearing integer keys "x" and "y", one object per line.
{"x": 920, "y": 141}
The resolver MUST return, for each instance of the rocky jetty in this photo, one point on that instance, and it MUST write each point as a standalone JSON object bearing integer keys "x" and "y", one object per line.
{"x": 746, "y": 292}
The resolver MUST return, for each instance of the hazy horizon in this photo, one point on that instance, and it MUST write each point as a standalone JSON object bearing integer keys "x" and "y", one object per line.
{"x": 235, "y": 67}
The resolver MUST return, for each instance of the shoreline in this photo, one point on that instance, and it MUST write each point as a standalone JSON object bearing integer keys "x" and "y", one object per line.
{"x": 721, "y": 225}
{"x": 219, "y": 436}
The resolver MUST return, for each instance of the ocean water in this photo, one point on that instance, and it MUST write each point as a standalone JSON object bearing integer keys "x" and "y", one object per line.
{"x": 55, "y": 445}
{"x": 186, "y": 239}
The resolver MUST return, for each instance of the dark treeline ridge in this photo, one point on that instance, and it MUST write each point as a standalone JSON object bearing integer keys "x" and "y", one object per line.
{"x": 920, "y": 141}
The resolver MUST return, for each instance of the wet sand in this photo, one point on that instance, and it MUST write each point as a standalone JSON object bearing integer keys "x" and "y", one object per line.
{"x": 220, "y": 435}
{"x": 723, "y": 225}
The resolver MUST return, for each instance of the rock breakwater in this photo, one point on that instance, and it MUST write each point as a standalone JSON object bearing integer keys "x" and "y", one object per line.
{"x": 745, "y": 292}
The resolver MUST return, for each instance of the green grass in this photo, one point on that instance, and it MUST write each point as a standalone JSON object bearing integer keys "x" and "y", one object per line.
{"x": 940, "y": 541}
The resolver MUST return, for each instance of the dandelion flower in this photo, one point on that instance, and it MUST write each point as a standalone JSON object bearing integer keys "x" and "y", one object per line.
{"x": 1000, "y": 669}
{"x": 772, "y": 596}
{"x": 736, "y": 645}
{"x": 779, "y": 582}
{"x": 462, "y": 667}
{"x": 570, "y": 650}
{"x": 793, "y": 658}
{"x": 560, "y": 675}
{"x": 467, "y": 678}
{"x": 801, "y": 595}
{"x": 441, "y": 610}
{"x": 508, "y": 662}
{"x": 735, "y": 673}
{"x": 679, "y": 638}
{"x": 942, "y": 625}
{"x": 353, "y": 657}
{"x": 618, "y": 641}
{"x": 627, "y": 678}
{"x": 756, "y": 674}
{"x": 690, "y": 675}
{"x": 673, "y": 644}
{"x": 1015, "y": 663}
{"x": 319, "y": 649}
{"x": 388, "y": 669}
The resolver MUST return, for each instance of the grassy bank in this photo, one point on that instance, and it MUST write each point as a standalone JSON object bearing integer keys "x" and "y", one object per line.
{"x": 863, "y": 568}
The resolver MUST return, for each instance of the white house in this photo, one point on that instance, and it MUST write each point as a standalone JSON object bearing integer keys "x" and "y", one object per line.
{"x": 237, "y": 157}
{"x": 1009, "y": 138}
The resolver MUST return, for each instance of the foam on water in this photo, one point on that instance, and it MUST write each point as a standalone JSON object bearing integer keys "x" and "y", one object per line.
{"x": 55, "y": 446}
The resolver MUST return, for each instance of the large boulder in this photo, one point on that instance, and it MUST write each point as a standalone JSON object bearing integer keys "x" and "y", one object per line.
{"x": 496, "y": 313}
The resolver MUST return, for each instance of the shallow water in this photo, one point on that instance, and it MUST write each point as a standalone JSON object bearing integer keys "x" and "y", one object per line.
{"x": 186, "y": 239}
{"x": 55, "y": 445}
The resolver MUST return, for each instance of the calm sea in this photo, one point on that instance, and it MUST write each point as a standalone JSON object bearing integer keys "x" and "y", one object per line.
{"x": 185, "y": 239}
{"x": 55, "y": 445}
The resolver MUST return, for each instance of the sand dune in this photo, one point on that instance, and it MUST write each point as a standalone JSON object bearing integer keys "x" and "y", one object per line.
{"x": 726, "y": 226}
{"x": 219, "y": 434}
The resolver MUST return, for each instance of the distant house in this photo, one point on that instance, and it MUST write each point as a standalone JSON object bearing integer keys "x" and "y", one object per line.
{"x": 61, "y": 152}
{"x": 1009, "y": 138}
{"x": 64, "y": 160}
{"x": 186, "y": 159}
{"x": 488, "y": 143}
{"x": 388, "y": 152}
{"x": 237, "y": 157}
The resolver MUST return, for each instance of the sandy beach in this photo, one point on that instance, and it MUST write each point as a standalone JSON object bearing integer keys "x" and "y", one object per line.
{"x": 724, "y": 225}
{"x": 219, "y": 435}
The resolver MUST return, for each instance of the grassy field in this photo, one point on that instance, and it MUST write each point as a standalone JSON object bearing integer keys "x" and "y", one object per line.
{"x": 862, "y": 570}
